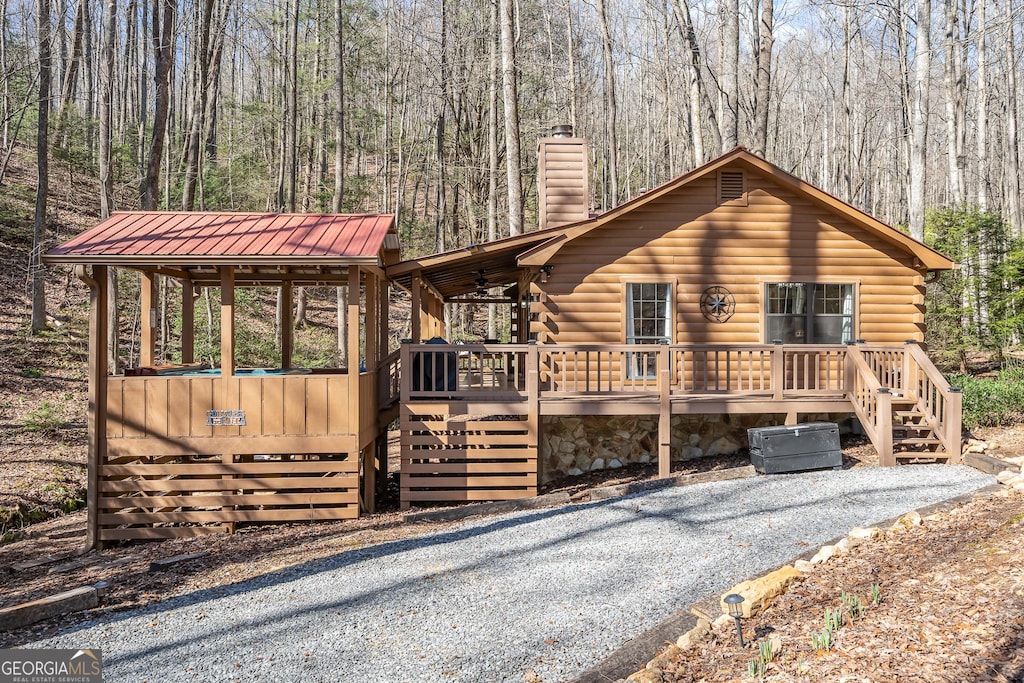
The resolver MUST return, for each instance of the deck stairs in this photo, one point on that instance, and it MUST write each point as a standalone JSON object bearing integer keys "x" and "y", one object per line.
{"x": 912, "y": 434}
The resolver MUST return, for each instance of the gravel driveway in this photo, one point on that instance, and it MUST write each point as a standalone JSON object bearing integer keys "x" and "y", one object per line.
{"x": 549, "y": 591}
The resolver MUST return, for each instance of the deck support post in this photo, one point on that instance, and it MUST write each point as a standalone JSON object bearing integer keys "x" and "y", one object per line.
{"x": 665, "y": 411}
{"x": 792, "y": 418}
{"x": 886, "y": 456}
{"x": 147, "y": 347}
{"x": 97, "y": 411}
{"x": 533, "y": 406}
{"x": 380, "y": 446}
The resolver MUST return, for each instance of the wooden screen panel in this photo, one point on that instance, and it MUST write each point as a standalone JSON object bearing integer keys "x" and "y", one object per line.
{"x": 140, "y": 499}
{"x": 452, "y": 458}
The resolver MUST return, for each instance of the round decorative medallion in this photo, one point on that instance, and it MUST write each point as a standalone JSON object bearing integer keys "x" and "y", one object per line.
{"x": 717, "y": 304}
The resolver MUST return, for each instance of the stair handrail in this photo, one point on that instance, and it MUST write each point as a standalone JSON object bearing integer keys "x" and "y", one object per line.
{"x": 389, "y": 373}
{"x": 940, "y": 403}
{"x": 872, "y": 403}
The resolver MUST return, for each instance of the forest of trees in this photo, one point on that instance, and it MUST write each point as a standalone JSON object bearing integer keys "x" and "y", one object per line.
{"x": 432, "y": 109}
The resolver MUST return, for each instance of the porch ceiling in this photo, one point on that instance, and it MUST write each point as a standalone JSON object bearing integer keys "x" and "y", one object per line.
{"x": 454, "y": 273}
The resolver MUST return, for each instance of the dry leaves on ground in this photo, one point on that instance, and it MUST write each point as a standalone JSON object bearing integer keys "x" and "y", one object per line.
{"x": 952, "y": 609}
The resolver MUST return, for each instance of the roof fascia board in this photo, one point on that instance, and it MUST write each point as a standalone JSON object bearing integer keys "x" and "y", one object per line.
{"x": 450, "y": 257}
{"x": 156, "y": 260}
{"x": 540, "y": 254}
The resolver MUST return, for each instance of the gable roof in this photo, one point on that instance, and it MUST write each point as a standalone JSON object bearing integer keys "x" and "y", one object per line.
{"x": 928, "y": 257}
{"x": 150, "y": 238}
{"x": 452, "y": 273}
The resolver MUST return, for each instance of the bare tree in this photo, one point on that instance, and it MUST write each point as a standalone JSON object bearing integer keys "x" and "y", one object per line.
{"x": 42, "y": 168}
{"x": 919, "y": 132}
{"x": 163, "y": 54}
{"x": 1012, "y": 174}
{"x": 952, "y": 75}
{"x": 510, "y": 93}
{"x": 729, "y": 11}
{"x": 766, "y": 41}
{"x": 339, "y": 114}
{"x": 610, "y": 110}
{"x": 981, "y": 122}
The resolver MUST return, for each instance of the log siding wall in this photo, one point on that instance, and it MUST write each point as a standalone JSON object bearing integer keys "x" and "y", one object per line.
{"x": 689, "y": 239}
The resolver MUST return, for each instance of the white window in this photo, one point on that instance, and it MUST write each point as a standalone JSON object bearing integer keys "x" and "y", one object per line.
{"x": 648, "y": 321}
{"x": 809, "y": 313}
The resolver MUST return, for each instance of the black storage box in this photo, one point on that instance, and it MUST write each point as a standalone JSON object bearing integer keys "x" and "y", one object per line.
{"x": 795, "y": 448}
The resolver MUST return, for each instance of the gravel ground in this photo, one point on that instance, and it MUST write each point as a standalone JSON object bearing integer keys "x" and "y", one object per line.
{"x": 550, "y": 592}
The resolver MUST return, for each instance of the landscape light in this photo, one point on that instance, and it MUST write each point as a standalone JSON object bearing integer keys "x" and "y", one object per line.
{"x": 735, "y": 603}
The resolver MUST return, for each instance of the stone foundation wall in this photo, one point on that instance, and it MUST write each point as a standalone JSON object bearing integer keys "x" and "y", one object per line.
{"x": 570, "y": 446}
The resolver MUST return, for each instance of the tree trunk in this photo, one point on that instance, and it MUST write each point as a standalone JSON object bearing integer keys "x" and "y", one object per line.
{"x": 107, "y": 176}
{"x": 954, "y": 102}
{"x": 919, "y": 131}
{"x": 700, "y": 105}
{"x": 510, "y": 93}
{"x": 106, "y": 103}
{"x": 163, "y": 51}
{"x": 492, "y": 147}
{"x": 70, "y": 78}
{"x": 730, "y": 88}
{"x": 292, "y": 111}
{"x": 339, "y": 114}
{"x": 42, "y": 169}
{"x": 766, "y": 39}
{"x": 981, "y": 124}
{"x": 1012, "y": 175}
{"x": 610, "y": 109}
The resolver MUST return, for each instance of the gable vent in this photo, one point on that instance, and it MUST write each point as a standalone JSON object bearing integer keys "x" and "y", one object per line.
{"x": 730, "y": 186}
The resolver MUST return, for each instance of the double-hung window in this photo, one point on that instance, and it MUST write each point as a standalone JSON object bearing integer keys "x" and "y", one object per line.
{"x": 810, "y": 313}
{"x": 648, "y": 321}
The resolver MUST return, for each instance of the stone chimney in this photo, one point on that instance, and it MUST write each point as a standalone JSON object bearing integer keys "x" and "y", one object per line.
{"x": 563, "y": 178}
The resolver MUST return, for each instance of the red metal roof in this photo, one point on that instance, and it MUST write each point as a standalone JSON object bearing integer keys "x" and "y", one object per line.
{"x": 185, "y": 236}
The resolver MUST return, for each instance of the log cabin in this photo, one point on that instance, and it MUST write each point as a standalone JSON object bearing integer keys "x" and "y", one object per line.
{"x": 731, "y": 296}
{"x": 182, "y": 449}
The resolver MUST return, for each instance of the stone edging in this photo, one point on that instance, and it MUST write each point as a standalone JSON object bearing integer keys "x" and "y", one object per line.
{"x": 760, "y": 592}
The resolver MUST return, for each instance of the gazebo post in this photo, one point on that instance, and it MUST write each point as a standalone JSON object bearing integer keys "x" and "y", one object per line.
{"x": 287, "y": 323}
{"x": 97, "y": 412}
{"x": 147, "y": 349}
{"x": 227, "y": 359}
{"x": 371, "y": 320}
{"x": 417, "y": 310}
{"x": 369, "y": 482}
{"x": 384, "y": 316}
{"x": 188, "y": 322}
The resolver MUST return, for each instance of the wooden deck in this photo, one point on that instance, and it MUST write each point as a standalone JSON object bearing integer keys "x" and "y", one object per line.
{"x": 900, "y": 398}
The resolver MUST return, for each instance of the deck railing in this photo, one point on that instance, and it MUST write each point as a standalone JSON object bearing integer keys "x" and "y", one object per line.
{"x": 389, "y": 380}
{"x": 941, "y": 404}
{"x": 499, "y": 370}
{"x": 872, "y": 403}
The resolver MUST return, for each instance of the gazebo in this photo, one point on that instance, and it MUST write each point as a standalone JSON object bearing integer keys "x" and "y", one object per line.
{"x": 182, "y": 449}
